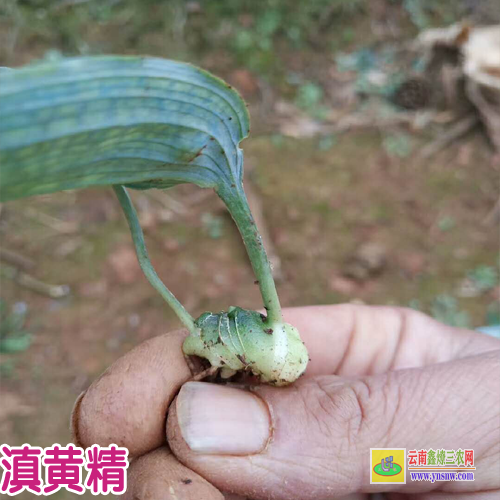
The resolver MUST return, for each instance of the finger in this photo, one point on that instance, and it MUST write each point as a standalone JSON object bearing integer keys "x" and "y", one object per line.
{"x": 159, "y": 476}
{"x": 128, "y": 404}
{"x": 353, "y": 340}
{"x": 313, "y": 439}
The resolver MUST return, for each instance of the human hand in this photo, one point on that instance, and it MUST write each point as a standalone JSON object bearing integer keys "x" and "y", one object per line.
{"x": 378, "y": 378}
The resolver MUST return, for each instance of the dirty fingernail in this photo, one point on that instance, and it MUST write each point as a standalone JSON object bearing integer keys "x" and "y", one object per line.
{"x": 216, "y": 419}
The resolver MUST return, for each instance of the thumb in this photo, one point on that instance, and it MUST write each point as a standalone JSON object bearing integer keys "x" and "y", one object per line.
{"x": 312, "y": 440}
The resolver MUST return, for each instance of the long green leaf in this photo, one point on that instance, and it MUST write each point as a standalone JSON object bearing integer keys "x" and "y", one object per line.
{"x": 127, "y": 121}
{"x": 135, "y": 121}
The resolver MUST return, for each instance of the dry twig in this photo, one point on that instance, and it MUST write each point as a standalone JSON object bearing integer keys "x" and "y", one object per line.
{"x": 16, "y": 259}
{"x": 461, "y": 128}
{"x": 31, "y": 283}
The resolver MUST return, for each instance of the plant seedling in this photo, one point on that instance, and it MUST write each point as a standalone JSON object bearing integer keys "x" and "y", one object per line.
{"x": 13, "y": 336}
{"x": 142, "y": 123}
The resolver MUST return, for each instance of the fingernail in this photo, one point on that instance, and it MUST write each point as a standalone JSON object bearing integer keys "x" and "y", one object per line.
{"x": 221, "y": 420}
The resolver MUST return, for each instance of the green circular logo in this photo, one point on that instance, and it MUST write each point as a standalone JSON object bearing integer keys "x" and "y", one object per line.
{"x": 396, "y": 469}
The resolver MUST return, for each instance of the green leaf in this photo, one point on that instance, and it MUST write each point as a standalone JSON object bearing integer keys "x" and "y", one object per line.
{"x": 136, "y": 121}
{"x": 15, "y": 343}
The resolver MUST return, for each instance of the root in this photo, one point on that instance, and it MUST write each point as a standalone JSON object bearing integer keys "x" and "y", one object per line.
{"x": 193, "y": 368}
{"x": 209, "y": 372}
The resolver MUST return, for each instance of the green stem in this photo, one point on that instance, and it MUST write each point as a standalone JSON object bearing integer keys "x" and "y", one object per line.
{"x": 145, "y": 263}
{"x": 237, "y": 205}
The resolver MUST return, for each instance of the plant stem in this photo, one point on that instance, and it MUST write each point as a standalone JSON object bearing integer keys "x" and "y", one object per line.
{"x": 145, "y": 263}
{"x": 237, "y": 204}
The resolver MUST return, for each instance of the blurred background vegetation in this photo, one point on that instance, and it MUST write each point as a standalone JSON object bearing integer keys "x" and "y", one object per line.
{"x": 352, "y": 209}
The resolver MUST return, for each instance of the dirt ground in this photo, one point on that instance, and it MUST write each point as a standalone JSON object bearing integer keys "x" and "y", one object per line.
{"x": 325, "y": 200}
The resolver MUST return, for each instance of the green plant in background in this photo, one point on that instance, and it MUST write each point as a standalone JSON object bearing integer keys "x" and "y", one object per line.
{"x": 376, "y": 70}
{"x": 13, "y": 335}
{"x": 251, "y": 32}
{"x": 398, "y": 145}
{"x": 213, "y": 225}
{"x": 309, "y": 97}
{"x": 445, "y": 308}
{"x": 424, "y": 13}
{"x": 417, "y": 12}
{"x": 446, "y": 223}
{"x": 327, "y": 142}
{"x": 493, "y": 314}
{"x": 484, "y": 278}
{"x": 272, "y": 20}
{"x": 148, "y": 123}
